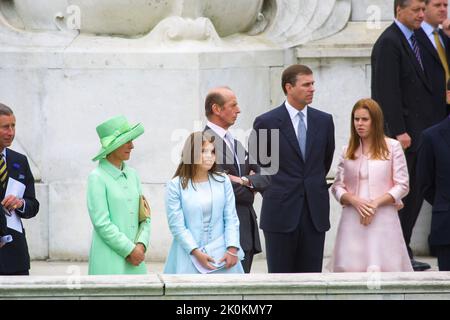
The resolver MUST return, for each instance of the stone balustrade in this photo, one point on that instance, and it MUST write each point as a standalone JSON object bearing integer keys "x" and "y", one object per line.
{"x": 399, "y": 286}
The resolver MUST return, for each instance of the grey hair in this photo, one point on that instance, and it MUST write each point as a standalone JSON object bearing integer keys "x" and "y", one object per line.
{"x": 5, "y": 110}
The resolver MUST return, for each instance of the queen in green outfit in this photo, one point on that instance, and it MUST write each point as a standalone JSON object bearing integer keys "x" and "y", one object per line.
{"x": 119, "y": 241}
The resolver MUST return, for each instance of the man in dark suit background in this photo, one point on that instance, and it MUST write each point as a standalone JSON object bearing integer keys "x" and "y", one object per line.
{"x": 435, "y": 54}
{"x": 222, "y": 109}
{"x": 14, "y": 256}
{"x": 402, "y": 88}
{"x": 296, "y": 206}
{"x": 433, "y": 176}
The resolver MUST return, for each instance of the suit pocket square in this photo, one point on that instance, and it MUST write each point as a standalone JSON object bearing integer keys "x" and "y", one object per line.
{"x": 21, "y": 177}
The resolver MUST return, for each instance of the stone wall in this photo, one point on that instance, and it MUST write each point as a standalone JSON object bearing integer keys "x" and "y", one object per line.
{"x": 61, "y": 85}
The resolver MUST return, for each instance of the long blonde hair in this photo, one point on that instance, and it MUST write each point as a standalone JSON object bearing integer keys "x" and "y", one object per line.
{"x": 379, "y": 149}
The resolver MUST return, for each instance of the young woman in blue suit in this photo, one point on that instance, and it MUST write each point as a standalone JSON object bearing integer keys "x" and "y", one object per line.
{"x": 201, "y": 211}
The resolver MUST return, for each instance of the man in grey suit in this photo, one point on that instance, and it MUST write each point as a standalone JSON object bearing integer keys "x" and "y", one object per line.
{"x": 221, "y": 110}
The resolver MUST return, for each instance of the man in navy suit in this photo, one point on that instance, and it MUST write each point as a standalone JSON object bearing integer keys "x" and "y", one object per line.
{"x": 14, "y": 256}
{"x": 433, "y": 176}
{"x": 405, "y": 93}
{"x": 435, "y": 54}
{"x": 295, "y": 209}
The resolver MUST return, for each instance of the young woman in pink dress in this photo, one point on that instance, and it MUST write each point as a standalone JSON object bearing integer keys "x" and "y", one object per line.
{"x": 371, "y": 180}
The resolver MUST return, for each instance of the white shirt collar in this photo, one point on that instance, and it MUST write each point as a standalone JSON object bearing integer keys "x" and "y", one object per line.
{"x": 294, "y": 112}
{"x": 4, "y": 153}
{"x": 221, "y": 132}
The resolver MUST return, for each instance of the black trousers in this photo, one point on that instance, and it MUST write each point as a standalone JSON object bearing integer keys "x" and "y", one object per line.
{"x": 413, "y": 202}
{"x": 297, "y": 251}
{"x": 3, "y": 230}
{"x": 443, "y": 257}
{"x": 18, "y": 273}
{"x": 248, "y": 260}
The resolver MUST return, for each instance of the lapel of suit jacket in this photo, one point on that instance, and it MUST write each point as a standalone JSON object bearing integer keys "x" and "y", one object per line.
{"x": 446, "y": 40}
{"x": 241, "y": 154}
{"x": 412, "y": 57}
{"x": 311, "y": 131}
{"x": 287, "y": 129}
{"x": 222, "y": 149}
{"x": 9, "y": 164}
{"x": 426, "y": 43}
{"x": 445, "y": 131}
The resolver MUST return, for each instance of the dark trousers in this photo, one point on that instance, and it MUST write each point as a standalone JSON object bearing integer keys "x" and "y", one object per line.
{"x": 248, "y": 260}
{"x": 297, "y": 251}
{"x": 413, "y": 202}
{"x": 18, "y": 273}
{"x": 3, "y": 230}
{"x": 443, "y": 257}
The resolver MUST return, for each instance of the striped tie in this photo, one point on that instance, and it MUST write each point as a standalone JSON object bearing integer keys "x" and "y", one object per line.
{"x": 3, "y": 171}
{"x": 416, "y": 50}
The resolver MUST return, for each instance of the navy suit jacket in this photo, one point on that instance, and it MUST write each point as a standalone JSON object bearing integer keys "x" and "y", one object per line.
{"x": 14, "y": 256}
{"x": 3, "y": 230}
{"x": 297, "y": 179}
{"x": 433, "y": 174}
{"x": 402, "y": 88}
{"x": 433, "y": 66}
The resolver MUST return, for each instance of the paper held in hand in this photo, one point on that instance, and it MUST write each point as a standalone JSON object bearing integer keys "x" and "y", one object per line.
{"x": 16, "y": 189}
{"x": 215, "y": 249}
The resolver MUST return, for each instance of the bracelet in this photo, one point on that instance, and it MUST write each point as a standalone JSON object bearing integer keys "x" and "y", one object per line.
{"x": 232, "y": 254}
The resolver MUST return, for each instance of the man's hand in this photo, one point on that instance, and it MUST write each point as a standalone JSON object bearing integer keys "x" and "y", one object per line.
{"x": 235, "y": 179}
{"x": 12, "y": 203}
{"x": 405, "y": 140}
{"x": 446, "y": 27}
{"x": 137, "y": 255}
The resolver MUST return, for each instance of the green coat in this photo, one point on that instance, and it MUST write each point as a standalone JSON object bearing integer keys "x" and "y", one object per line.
{"x": 113, "y": 204}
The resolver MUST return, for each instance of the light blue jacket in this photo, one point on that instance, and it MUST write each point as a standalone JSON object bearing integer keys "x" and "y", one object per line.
{"x": 185, "y": 218}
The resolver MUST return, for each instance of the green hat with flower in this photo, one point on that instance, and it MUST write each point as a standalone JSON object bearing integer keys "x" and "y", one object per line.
{"x": 115, "y": 132}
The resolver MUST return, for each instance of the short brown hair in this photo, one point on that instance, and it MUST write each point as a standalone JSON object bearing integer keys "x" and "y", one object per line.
{"x": 290, "y": 75}
{"x": 404, "y": 3}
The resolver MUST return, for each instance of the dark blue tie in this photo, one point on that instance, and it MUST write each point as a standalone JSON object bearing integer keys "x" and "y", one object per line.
{"x": 416, "y": 50}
